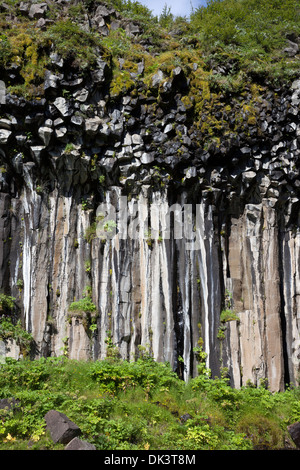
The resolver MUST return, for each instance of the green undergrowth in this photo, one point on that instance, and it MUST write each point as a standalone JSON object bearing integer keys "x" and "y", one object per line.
{"x": 249, "y": 34}
{"x": 140, "y": 405}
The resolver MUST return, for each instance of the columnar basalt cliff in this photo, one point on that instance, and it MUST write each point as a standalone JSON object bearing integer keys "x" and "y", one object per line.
{"x": 233, "y": 284}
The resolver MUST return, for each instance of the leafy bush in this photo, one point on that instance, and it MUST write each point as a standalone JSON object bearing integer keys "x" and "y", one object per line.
{"x": 247, "y": 23}
{"x": 252, "y": 32}
{"x": 204, "y": 436}
{"x": 228, "y": 315}
{"x": 262, "y": 431}
{"x": 73, "y": 43}
{"x": 140, "y": 405}
{"x": 132, "y": 9}
{"x": 27, "y": 374}
{"x": 6, "y": 304}
{"x": 121, "y": 376}
{"x": 84, "y": 305}
{"x": 9, "y": 330}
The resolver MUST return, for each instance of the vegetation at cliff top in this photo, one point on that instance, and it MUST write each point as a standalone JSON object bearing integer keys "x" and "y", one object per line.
{"x": 230, "y": 54}
{"x": 240, "y": 36}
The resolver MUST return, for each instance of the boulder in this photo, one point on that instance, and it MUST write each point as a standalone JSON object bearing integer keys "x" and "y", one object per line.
{"x": 62, "y": 106}
{"x": 37, "y": 10}
{"x": 137, "y": 140}
{"x": 41, "y": 23}
{"x": 92, "y": 125}
{"x": 77, "y": 120}
{"x": 157, "y": 78}
{"x": 9, "y": 404}
{"x": 147, "y": 158}
{"x": 292, "y": 48}
{"x": 294, "y": 430}
{"x": 168, "y": 129}
{"x": 98, "y": 75}
{"x": 127, "y": 140}
{"x": 4, "y": 136}
{"x": 99, "y": 21}
{"x": 81, "y": 95}
{"x": 61, "y": 132}
{"x": 184, "y": 418}
{"x": 108, "y": 163}
{"x": 106, "y": 130}
{"x": 78, "y": 444}
{"x": 5, "y": 124}
{"x": 114, "y": 129}
{"x": 248, "y": 176}
{"x": 56, "y": 59}
{"x": 103, "y": 11}
{"x": 24, "y": 7}
{"x": 132, "y": 29}
{"x": 61, "y": 428}
{"x": 50, "y": 80}
{"x": 45, "y": 134}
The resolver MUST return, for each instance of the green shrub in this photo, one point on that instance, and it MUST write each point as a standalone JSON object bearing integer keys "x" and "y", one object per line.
{"x": 250, "y": 31}
{"x": 121, "y": 376}
{"x": 73, "y": 43}
{"x": 5, "y": 50}
{"x": 84, "y": 305}
{"x": 6, "y": 304}
{"x": 228, "y": 315}
{"x": 132, "y": 9}
{"x": 140, "y": 405}
{"x": 264, "y": 432}
{"x": 28, "y": 374}
{"x": 15, "y": 331}
{"x": 118, "y": 43}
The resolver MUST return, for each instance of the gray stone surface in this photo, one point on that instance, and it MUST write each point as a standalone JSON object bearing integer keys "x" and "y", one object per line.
{"x": 62, "y": 105}
{"x": 60, "y": 427}
{"x": 37, "y": 10}
{"x": 294, "y": 430}
{"x": 79, "y": 444}
{"x": 4, "y": 136}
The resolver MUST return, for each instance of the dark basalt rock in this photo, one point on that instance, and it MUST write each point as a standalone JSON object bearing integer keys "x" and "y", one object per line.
{"x": 294, "y": 430}
{"x": 61, "y": 428}
{"x": 78, "y": 444}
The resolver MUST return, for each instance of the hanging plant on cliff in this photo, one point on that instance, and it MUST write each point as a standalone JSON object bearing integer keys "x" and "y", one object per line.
{"x": 84, "y": 305}
{"x": 86, "y": 310}
{"x": 6, "y": 304}
{"x": 16, "y": 332}
{"x": 10, "y": 329}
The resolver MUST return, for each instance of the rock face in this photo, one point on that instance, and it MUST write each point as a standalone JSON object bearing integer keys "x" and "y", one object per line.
{"x": 233, "y": 243}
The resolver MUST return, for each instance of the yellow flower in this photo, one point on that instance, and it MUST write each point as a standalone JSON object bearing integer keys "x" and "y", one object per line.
{"x": 9, "y": 438}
